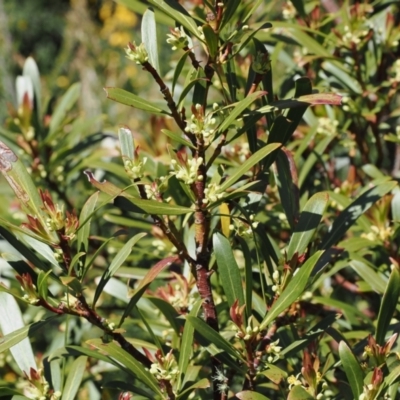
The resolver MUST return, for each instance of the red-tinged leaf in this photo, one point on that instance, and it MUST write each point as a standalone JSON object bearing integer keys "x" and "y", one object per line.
{"x": 136, "y": 204}
{"x": 145, "y": 282}
{"x": 332, "y": 99}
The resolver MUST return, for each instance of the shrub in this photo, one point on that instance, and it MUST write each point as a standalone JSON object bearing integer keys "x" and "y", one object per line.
{"x": 248, "y": 248}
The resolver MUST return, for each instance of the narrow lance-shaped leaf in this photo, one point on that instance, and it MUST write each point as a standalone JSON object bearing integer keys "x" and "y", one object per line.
{"x": 130, "y": 99}
{"x": 31, "y": 69}
{"x": 135, "y": 367}
{"x": 10, "y": 322}
{"x": 186, "y": 349}
{"x": 287, "y": 182}
{"x": 308, "y": 223}
{"x": 135, "y": 204}
{"x": 66, "y": 103}
{"x": 248, "y": 164}
{"x": 213, "y": 336}
{"x": 117, "y": 261}
{"x": 149, "y": 37}
{"x": 15, "y": 337}
{"x": 145, "y": 282}
{"x": 21, "y": 183}
{"x": 238, "y": 110}
{"x": 84, "y": 222}
{"x": 388, "y": 306}
{"x": 74, "y": 378}
{"x": 350, "y": 215}
{"x": 127, "y": 144}
{"x": 178, "y": 13}
{"x": 303, "y": 101}
{"x": 201, "y": 384}
{"x": 352, "y": 369}
{"x": 228, "y": 269}
{"x": 292, "y": 291}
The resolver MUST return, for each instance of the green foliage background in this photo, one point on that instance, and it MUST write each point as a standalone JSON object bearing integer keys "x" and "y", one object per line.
{"x": 301, "y": 248}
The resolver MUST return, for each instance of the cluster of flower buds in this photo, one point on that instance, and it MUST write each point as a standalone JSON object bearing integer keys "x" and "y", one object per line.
{"x": 56, "y": 220}
{"x": 31, "y": 296}
{"x": 165, "y": 368}
{"x": 244, "y": 331}
{"x": 201, "y": 124}
{"x": 243, "y": 228}
{"x": 276, "y": 277}
{"x": 212, "y": 193}
{"x": 327, "y": 126}
{"x": 178, "y": 38}
{"x": 39, "y": 388}
{"x": 135, "y": 168}
{"x": 186, "y": 170}
{"x": 138, "y": 54}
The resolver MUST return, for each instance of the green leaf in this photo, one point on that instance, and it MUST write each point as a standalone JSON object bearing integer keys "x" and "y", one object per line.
{"x": 299, "y": 393}
{"x": 152, "y": 207}
{"x": 292, "y": 291}
{"x": 186, "y": 347}
{"x": 10, "y": 322}
{"x": 367, "y": 272}
{"x": 286, "y": 180}
{"x": 135, "y": 367}
{"x": 228, "y": 269}
{"x": 130, "y": 99}
{"x": 25, "y": 190}
{"x": 84, "y": 223}
{"x": 149, "y": 37}
{"x": 117, "y": 261}
{"x": 212, "y": 336}
{"x": 211, "y": 40}
{"x": 127, "y": 144}
{"x": 178, "y": 13}
{"x": 169, "y": 312}
{"x": 145, "y": 282}
{"x": 32, "y": 71}
{"x": 352, "y": 369}
{"x": 79, "y": 350}
{"x": 248, "y": 274}
{"x": 15, "y": 337}
{"x": 238, "y": 110}
{"x": 313, "y": 158}
{"x": 67, "y": 101}
{"x": 200, "y": 384}
{"x": 177, "y": 137}
{"x": 74, "y": 378}
{"x": 184, "y": 94}
{"x": 350, "y": 215}
{"x": 309, "y": 221}
{"x": 42, "y": 284}
{"x": 21, "y": 247}
{"x": 388, "y": 306}
{"x": 136, "y": 204}
{"x": 248, "y": 164}
{"x": 250, "y": 395}
{"x": 178, "y": 70}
